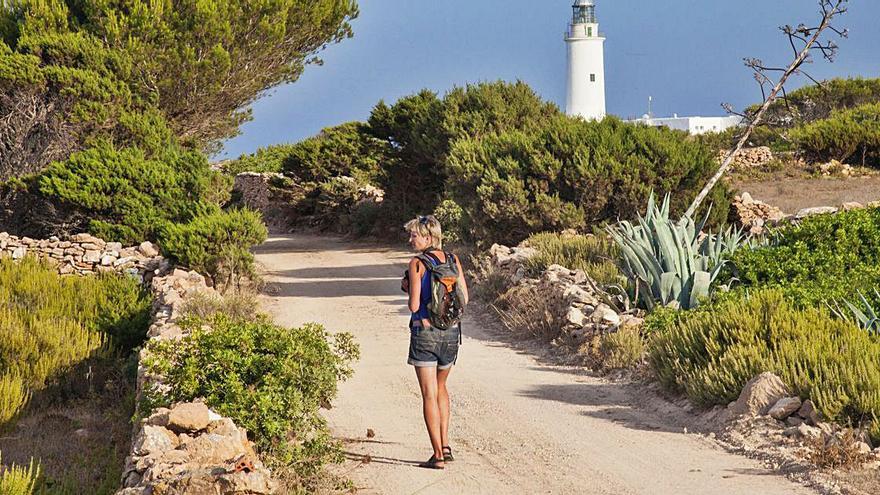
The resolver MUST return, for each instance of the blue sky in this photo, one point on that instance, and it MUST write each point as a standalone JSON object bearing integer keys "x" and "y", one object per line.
{"x": 687, "y": 54}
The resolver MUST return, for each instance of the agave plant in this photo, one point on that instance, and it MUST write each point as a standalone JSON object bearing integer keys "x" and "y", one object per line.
{"x": 867, "y": 319}
{"x": 671, "y": 263}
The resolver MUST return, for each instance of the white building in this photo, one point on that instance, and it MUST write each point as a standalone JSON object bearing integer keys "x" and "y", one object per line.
{"x": 693, "y": 125}
{"x": 586, "y": 63}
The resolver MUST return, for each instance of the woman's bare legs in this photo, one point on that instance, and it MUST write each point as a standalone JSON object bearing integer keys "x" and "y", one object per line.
{"x": 427, "y": 376}
{"x": 443, "y": 404}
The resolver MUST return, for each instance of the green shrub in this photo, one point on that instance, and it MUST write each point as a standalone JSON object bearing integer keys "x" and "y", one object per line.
{"x": 572, "y": 173}
{"x": 595, "y": 255}
{"x": 269, "y": 379}
{"x": 51, "y": 323}
{"x": 624, "y": 348}
{"x": 825, "y": 258}
{"x": 449, "y": 214}
{"x": 333, "y": 201}
{"x": 216, "y": 244}
{"x": 127, "y": 196}
{"x": 421, "y": 129}
{"x": 265, "y": 160}
{"x": 711, "y": 353}
{"x": 347, "y": 149}
{"x": 18, "y": 480}
{"x": 367, "y": 218}
{"x": 238, "y": 306}
{"x": 813, "y": 102}
{"x": 851, "y": 136}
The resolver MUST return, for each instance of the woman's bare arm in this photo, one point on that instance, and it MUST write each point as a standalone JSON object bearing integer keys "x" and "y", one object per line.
{"x": 415, "y": 284}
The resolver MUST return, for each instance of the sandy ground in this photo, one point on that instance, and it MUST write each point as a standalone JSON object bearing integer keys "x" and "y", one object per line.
{"x": 520, "y": 424}
{"x": 790, "y": 195}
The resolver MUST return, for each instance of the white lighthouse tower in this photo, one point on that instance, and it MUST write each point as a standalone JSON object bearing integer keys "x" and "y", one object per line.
{"x": 586, "y": 63}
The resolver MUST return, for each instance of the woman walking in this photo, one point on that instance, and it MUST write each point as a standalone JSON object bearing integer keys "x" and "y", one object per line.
{"x": 433, "y": 350}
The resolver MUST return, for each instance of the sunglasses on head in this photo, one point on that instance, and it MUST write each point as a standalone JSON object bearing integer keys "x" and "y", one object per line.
{"x": 423, "y": 220}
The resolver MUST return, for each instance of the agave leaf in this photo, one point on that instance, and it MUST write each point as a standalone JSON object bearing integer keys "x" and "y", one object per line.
{"x": 667, "y": 286}
{"x": 669, "y": 250}
{"x": 861, "y": 318}
{"x": 664, "y": 210}
{"x": 700, "y": 288}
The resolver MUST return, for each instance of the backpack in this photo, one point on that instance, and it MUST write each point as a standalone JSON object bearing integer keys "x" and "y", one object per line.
{"x": 447, "y": 297}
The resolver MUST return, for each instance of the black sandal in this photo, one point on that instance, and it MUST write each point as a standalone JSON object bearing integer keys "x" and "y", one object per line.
{"x": 447, "y": 454}
{"x": 432, "y": 463}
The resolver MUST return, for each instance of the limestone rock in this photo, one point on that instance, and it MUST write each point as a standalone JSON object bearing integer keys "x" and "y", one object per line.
{"x": 148, "y": 249}
{"x": 153, "y": 440}
{"x": 159, "y": 417}
{"x": 803, "y": 431}
{"x": 575, "y": 294}
{"x": 92, "y": 256}
{"x": 784, "y": 407}
{"x": 808, "y": 413}
{"x": 794, "y": 420}
{"x": 254, "y": 482}
{"x": 818, "y": 210}
{"x": 604, "y": 314}
{"x": 188, "y": 416}
{"x": 522, "y": 254}
{"x": 759, "y": 394}
{"x": 212, "y": 449}
{"x": 575, "y": 317}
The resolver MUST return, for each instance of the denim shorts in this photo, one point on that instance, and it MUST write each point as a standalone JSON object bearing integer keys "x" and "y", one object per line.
{"x": 433, "y": 347}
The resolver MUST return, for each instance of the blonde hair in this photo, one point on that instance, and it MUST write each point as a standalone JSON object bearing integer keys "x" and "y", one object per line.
{"x": 427, "y": 226}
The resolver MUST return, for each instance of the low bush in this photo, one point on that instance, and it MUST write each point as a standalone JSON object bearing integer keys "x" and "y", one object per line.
{"x": 710, "y": 354}
{"x": 51, "y": 323}
{"x": 217, "y": 244}
{"x": 19, "y": 480}
{"x": 825, "y": 258}
{"x": 366, "y": 218}
{"x": 332, "y": 203}
{"x": 814, "y": 102}
{"x": 265, "y": 160}
{"x": 525, "y": 311}
{"x": 593, "y": 254}
{"x": 269, "y": 379}
{"x": 126, "y": 196}
{"x": 450, "y": 215}
{"x": 624, "y": 348}
{"x": 347, "y": 149}
{"x": 851, "y": 136}
{"x": 238, "y": 306}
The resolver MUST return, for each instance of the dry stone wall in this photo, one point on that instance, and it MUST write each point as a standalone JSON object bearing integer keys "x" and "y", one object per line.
{"x": 748, "y": 157}
{"x": 187, "y": 449}
{"x": 84, "y": 254}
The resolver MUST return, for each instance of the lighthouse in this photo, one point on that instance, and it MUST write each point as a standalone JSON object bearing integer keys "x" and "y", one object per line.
{"x": 585, "y": 96}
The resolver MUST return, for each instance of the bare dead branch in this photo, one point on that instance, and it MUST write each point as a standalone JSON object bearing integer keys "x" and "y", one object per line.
{"x": 810, "y": 39}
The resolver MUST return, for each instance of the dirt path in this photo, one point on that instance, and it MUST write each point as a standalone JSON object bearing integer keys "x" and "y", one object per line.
{"x": 519, "y": 425}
